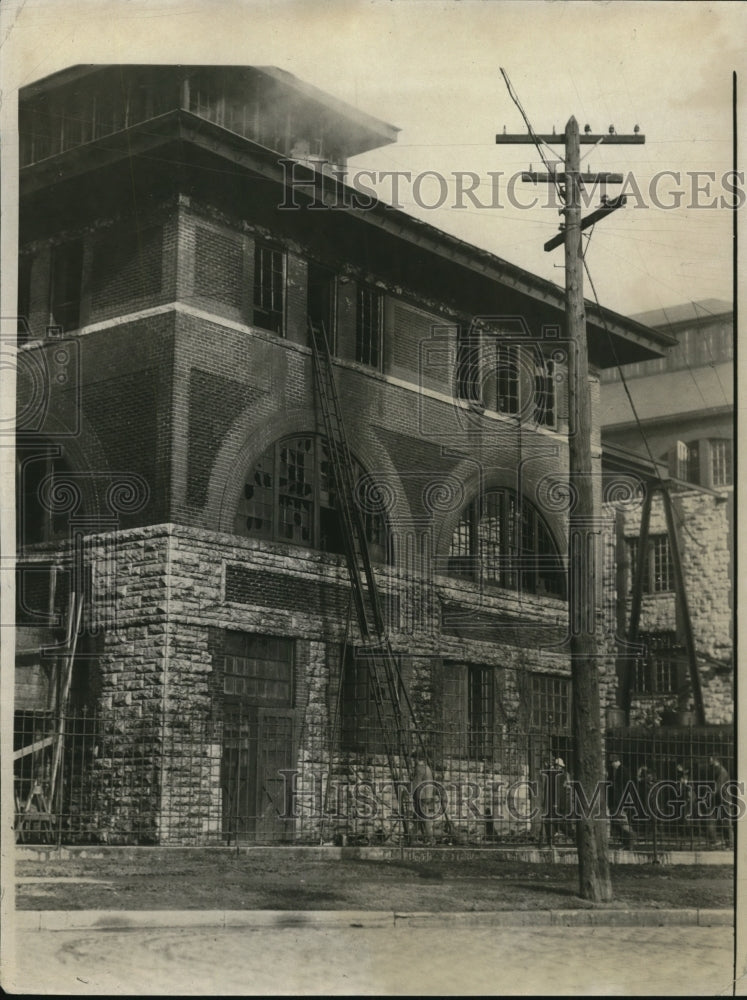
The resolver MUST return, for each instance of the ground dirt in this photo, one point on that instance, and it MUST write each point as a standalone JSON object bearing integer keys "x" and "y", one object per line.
{"x": 238, "y": 881}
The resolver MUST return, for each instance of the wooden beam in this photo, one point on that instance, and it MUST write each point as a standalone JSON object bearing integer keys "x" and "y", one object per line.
{"x": 585, "y": 139}
{"x": 538, "y": 177}
{"x": 33, "y": 747}
{"x": 681, "y": 593}
{"x": 590, "y": 220}
{"x": 635, "y": 610}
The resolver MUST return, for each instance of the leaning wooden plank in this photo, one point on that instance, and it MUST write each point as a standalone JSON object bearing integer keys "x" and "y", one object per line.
{"x": 33, "y": 747}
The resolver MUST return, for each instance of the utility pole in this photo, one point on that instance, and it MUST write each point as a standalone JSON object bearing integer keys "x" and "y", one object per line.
{"x": 591, "y": 833}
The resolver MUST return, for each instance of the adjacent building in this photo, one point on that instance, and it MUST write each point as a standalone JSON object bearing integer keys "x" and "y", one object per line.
{"x": 684, "y": 436}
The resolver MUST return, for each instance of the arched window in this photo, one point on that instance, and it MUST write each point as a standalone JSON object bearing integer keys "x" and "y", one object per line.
{"x": 290, "y": 496}
{"x": 501, "y": 539}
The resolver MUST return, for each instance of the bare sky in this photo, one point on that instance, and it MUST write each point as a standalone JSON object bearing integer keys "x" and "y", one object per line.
{"x": 433, "y": 69}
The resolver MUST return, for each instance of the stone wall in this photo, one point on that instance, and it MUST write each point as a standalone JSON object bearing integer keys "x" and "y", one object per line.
{"x": 704, "y": 527}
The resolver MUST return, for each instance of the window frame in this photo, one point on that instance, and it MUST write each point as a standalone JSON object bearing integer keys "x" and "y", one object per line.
{"x": 369, "y": 333}
{"x": 550, "y": 691}
{"x": 468, "y": 710}
{"x": 270, "y": 318}
{"x": 247, "y": 639}
{"x": 658, "y": 670}
{"x": 654, "y": 569}
{"x": 519, "y": 568}
{"x": 721, "y": 461}
{"x": 320, "y": 498}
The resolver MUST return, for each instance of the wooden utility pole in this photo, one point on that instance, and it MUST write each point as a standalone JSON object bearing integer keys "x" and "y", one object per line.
{"x": 583, "y": 545}
{"x": 591, "y": 833}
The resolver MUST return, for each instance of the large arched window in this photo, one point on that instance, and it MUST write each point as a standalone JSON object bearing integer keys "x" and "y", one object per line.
{"x": 290, "y": 496}
{"x": 501, "y": 539}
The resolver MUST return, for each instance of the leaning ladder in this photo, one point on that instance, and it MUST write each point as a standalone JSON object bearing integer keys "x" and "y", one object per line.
{"x": 383, "y": 668}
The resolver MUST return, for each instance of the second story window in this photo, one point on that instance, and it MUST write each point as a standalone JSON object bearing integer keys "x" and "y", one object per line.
{"x": 658, "y": 572}
{"x": 721, "y": 462}
{"x": 269, "y": 288}
{"x": 688, "y": 462}
{"x": 368, "y": 329}
{"x": 65, "y": 287}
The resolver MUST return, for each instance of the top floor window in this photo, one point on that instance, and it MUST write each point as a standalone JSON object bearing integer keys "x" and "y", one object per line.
{"x": 688, "y": 462}
{"x": 65, "y": 288}
{"x": 290, "y": 495}
{"x": 321, "y": 301}
{"x": 368, "y": 329}
{"x": 502, "y": 539}
{"x": 510, "y": 378}
{"x": 269, "y": 288}
{"x": 707, "y": 461}
{"x": 721, "y": 462}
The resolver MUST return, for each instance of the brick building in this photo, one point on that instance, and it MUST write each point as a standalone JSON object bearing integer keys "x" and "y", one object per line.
{"x": 684, "y": 403}
{"x": 178, "y": 228}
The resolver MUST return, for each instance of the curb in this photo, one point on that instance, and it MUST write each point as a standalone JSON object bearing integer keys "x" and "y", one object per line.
{"x": 528, "y": 854}
{"x": 67, "y": 920}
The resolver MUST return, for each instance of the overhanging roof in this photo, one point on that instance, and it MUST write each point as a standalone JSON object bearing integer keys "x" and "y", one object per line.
{"x": 612, "y": 336}
{"x": 669, "y": 395}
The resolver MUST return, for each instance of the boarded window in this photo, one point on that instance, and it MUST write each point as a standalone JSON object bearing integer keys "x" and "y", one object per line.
{"x": 218, "y": 266}
{"x": 65, "y": 289}
{"x": 368, "y": 708}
